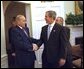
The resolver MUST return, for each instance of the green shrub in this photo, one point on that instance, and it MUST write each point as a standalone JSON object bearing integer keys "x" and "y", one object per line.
{"x": 72, "y": 19}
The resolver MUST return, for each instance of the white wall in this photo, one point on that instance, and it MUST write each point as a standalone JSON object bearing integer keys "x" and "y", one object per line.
{"x": 4, "y": 63}
{"x": 3, "y": 42}
{"x": 69, "y": 6}
{"x": 38, "y": 10}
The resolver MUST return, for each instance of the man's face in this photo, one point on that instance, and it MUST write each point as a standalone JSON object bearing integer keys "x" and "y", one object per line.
{"x": 48, "y": 19}
{"x": 22, "y": 21}
{"x": 59, "y": 21}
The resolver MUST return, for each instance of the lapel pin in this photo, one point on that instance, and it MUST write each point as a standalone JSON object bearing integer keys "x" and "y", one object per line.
{"x": 53, "y": 30}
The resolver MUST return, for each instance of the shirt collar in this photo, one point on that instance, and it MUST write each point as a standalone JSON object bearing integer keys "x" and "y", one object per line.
{"x": 20, "y": 27}
{"x": 52, "y": 24}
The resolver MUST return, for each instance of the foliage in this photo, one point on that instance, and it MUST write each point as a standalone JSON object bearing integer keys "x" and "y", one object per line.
{"x": 72, "y": 19}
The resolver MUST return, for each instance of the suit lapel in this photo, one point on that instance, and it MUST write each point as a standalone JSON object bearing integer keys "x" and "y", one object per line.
{"x": 46, "y": 32}
{"x": 22, "y": 32}
{"x": 54, "y": 29}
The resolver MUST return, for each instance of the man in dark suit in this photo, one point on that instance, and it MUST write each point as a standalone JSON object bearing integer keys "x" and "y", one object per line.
{"x": 60, "y": 21}
{"x": 55, "y": 42}
{"x": 25, "y": 56}
{"x": 11, "y": 49}
{"x": 68, "y": 63}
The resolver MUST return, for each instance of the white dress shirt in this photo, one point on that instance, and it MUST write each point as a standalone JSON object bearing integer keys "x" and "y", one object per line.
{"x": 51, "y": 27}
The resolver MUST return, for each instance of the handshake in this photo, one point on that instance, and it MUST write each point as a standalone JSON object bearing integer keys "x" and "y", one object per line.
{"x": 35, "y": 47}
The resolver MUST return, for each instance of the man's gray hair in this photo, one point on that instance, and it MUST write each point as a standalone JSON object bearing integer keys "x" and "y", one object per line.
{"x": 18, "y": 16}
{"x": 51, "y": 14}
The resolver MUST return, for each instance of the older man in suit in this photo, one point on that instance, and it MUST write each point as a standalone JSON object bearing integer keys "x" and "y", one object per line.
{"x": 10, "y": 48}
{"x": 60, "y": 21}
{"x": 24, "y": 50}
{"x": 55, "y": 42}
{"x": 68, "y": 64}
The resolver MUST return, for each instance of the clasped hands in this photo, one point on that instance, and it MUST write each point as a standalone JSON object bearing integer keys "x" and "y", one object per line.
{"x": 35, "y": 47}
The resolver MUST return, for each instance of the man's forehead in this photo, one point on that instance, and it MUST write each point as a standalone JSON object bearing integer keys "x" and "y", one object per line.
{"x": 20, "y": 17}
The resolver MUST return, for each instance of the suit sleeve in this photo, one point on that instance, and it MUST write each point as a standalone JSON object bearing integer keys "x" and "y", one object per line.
{"x": 64, "y": 43}
{"x": 9, "y": 34}
{"x": 68, "y": 32}
{"x": 21, "y": 43}
{"x": 40, "y": 41}
{"x": 33, "y": 40}
{"x": 11, "y": 46}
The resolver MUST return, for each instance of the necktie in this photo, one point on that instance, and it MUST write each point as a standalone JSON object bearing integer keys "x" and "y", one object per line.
{"x": 49, "y": 31}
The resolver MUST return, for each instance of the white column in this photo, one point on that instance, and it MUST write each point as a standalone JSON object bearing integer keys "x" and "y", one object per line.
{"x": 4, "y": 63}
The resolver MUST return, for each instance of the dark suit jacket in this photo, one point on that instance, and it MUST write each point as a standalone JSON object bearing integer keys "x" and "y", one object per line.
{"x": 55, "y": 46}
{"x": 23, "y": 48}
{"x": 10, "y": 48}
{"x": 68, "y": 63}
{"x": 67, "y": 31}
